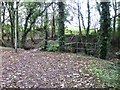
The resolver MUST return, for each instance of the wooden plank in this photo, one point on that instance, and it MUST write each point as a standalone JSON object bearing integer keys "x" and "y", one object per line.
{"x": 86, "y": 49}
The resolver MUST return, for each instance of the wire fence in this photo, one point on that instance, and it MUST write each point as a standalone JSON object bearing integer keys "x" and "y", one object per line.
{"x": 81, "y": 46}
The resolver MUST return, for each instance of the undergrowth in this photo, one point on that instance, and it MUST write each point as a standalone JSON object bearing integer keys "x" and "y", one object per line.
{"x": 107, "y": 72}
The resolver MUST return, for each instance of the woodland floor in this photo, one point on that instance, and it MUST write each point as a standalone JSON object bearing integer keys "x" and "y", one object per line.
{"x": 46, "y": 70}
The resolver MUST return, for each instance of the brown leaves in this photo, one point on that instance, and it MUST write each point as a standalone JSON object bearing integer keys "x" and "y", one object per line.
{"x": 44, "y": 69}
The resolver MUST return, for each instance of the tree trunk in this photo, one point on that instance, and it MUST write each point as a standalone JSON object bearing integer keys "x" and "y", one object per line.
{"x": 32, "y": 35}
{"x": 88, "y": 27}
{"x": 12, "y": 36}
{"x": 53, "y": 23}
{"x": 26, "y": 31}
{"x": 17, "y": 26}
{"x": 118, "y": 27}
{"x": 23, "y": 40}
{"x": 104, "y": 29}
{"x": 0, "y": 23}
{"x": 80, "y": 31}
{"x": 61, "y": 26}
{"x": 114, "y": 19}
{"x": 46, "y": 31}
{"x": 53, "y": 27}
{"x": 84, "y": 29}
{"x": 12, "y": 17}
{"x": 3, "y": 7}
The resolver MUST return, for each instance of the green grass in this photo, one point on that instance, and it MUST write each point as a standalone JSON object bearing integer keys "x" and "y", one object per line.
{"x": 106, "y": 71}
{"x": 75, "y": 31}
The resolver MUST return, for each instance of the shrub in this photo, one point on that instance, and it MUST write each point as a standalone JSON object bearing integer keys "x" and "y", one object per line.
{"x": 118, "y": 54}
{"x": 52, "y": 46}
{"x": 41, "y": 44}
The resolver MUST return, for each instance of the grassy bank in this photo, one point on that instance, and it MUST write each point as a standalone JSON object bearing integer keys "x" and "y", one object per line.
{"x": 105, "y": 71}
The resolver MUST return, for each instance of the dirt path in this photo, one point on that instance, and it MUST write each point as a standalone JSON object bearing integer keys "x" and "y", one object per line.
{"x": 44, "y": 70}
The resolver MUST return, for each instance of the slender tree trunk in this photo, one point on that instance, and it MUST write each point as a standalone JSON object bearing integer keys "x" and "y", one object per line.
{"x": 88, "y": 27}
{"x": 3, "y": 6}
{"x": 98, "y": 7}
{"x": 61, "y": 26}
{"x": 46, "y": 31}
{"x": 32, "y": 35}
{"x": 12, "y": 17}
{"x": 80, "y": 31}
{"x": 118, "y": 27}
{"x": 114, "y": 19}
{"x": 53, "y": 23}
{"x": 84, "y": 29}
{"x": 17, "y": 26}
{"x": 53, "y": 27}
{"x": 26, "y": 30}
{"x": 1, "y": 40}
{"x": 12, "y": 36}
{"x": 104, "y": 29}
{"x": 82, "y": 21}
{"x": 23, "y": 40}
{"x": 25, "y": 33}
{"x": 0, "y": 22}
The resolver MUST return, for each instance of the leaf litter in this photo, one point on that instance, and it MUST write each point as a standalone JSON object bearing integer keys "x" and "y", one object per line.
{"x": 45, "y": 70}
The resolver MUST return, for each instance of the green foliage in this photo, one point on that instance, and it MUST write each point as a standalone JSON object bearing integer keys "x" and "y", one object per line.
{"x": 106, "y": 71}
{"x": 6, "y": 28}
{"x": 41, "y": 44}
{"x": 75, "y": 31}
{"x": 52, "y": 46}
{"x": 118, "y": 33}
{"x": 71, "y": 30}
{"x": 117, "y": 53}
